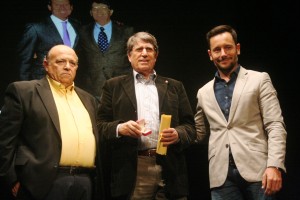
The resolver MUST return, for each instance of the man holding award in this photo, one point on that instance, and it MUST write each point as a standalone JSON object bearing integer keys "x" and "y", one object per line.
{"x": 146, "y": 122}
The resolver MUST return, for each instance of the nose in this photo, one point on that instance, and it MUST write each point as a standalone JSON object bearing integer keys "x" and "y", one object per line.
{"x": 223, "y": 52}
{"x": 144, "y": 51}
{"x": 67, "y": 65}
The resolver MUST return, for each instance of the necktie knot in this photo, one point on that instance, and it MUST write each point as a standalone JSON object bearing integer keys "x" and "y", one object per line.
{"x": 102, "y": 40}
{"x": 66, "y": 37}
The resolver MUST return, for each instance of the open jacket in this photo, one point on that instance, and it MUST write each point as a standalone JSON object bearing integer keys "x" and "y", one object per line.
{"x": 118, "y": 104}
{"x": 30, "y": 138}
{"x": 255, "y": 130}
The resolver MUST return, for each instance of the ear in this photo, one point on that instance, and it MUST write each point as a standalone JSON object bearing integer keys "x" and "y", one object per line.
{"x": 111, "y": 12}
{"x": 209, "y": 54}
{"x": 129, "y": 57}
{"x": 238, "y": 48}
{"x": 45, "y": 63}
{"x": 49, "y": 8}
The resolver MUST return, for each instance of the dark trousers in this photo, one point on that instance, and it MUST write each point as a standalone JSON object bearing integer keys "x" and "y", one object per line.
{"x": 65, "y": 187}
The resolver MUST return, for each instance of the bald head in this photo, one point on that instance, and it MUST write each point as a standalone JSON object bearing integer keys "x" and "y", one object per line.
{"x": 61, "y": 64}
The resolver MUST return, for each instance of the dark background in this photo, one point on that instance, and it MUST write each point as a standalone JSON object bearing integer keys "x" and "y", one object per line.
{"x": 267, "y": 31}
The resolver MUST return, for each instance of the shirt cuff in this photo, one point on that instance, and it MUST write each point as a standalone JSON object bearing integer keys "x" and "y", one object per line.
{"x": 117, "y": 131}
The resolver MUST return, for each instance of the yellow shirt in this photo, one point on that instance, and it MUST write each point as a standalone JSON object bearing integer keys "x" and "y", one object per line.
{"x": 78, "y": 140}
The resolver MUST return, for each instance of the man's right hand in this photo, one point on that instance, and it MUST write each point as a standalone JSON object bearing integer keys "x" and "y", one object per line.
{"x": 131, "y": 129}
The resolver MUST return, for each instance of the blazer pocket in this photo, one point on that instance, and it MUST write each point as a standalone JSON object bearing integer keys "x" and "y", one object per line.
{"x": 211, "y": 153}
{"x": 258, "y": 147}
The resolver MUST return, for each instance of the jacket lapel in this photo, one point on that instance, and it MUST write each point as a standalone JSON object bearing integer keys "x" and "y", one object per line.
{"x": 52, "y": 30}
{"x": 76, "y": 28}
{"x": 90, "y": 109}
{"x": 90, "y": 37}
{"x": 162, "y": 86}
{"x": 238, "y": 90}
{"x": 44, "y": 91}
{"x": 128, "y": 87}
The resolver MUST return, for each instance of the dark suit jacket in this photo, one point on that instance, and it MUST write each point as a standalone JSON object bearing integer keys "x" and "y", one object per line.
{"x": 36, "y": 41}
{"x": 118, "y": 104}
{"x": 94, "y": 66}
{"x": 29, "y": 129}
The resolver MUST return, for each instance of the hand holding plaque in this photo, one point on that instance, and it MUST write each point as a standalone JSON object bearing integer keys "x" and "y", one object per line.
{"x": 165, "y": 122}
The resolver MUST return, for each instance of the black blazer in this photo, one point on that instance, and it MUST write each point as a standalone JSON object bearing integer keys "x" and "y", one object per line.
{"x": 118, "y": 104}
{"x": 37, "y": 39}
{"x": 29, "y": 129}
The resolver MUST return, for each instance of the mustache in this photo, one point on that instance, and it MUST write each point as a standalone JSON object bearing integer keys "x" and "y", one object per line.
{"x": 224, "y": 58}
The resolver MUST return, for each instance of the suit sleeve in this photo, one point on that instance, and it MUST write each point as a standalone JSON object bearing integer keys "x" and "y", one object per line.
{"x": 186, "y": 126}
{"x": 10, "y": 124}
{"x": 25, "y": 51}
{"x": 202, "y": 125}
{"x": 273, "y": 123}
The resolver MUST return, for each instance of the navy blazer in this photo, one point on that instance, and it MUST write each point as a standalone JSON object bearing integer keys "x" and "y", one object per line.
{"x": 30, "y": 141}
{"x": 118, "y": 104}
{"x": 37, "y": 39}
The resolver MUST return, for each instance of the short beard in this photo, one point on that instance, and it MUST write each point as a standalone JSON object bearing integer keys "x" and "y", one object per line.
{"x": 225, "y": 70}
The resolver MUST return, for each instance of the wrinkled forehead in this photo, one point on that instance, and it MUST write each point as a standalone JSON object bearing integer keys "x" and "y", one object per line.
{"x": 141, "y": 42}
{"x": 99, "y": 6}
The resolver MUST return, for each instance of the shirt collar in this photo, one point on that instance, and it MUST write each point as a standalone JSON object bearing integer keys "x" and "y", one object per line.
{"x": 57, "y": 20}
{"x": 234, "y": 73}
{"x": 58, "y": 86}
{"x": 140, "y": 78}
{"x": 107, "y": 26}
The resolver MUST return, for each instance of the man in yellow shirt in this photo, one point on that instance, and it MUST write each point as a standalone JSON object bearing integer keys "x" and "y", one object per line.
{"x": 48, "y": 133}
